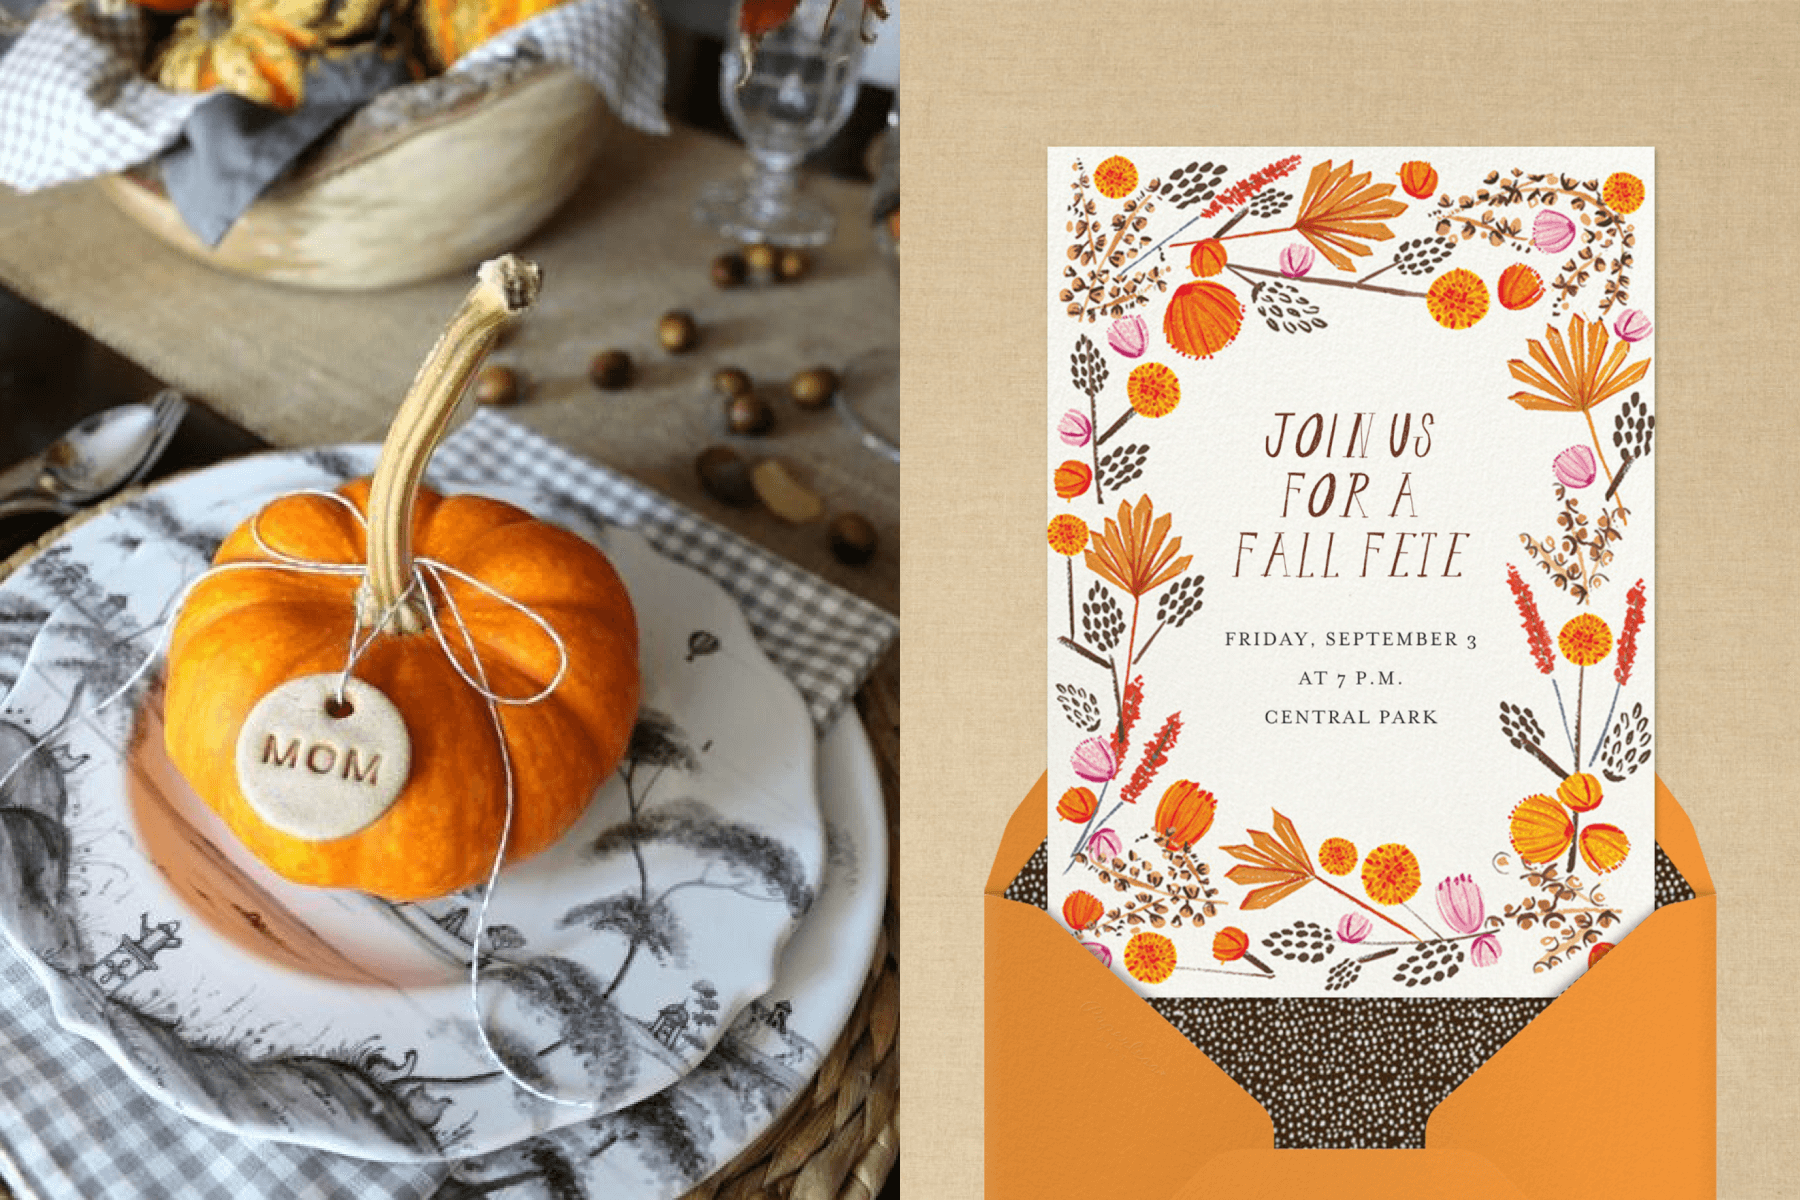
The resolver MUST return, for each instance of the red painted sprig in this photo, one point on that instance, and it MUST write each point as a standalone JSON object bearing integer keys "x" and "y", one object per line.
{"x": 1634, "y": 620}
{"x": 1155, "y": 755}
{"x": 1535, "y": 631}
{"x": 1130, "y": 706}
{"x": 1241, "y": 191}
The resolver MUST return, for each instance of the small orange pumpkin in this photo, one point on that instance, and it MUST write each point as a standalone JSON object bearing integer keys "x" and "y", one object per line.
{"x": 1418, "y": 179}
{"x": 258, "y": 49}
{"x": 1202, "y": 318}
{"x": 241, "y": 634}
{"x": 1520, "y": 287}
{"x": 452, "y": 28}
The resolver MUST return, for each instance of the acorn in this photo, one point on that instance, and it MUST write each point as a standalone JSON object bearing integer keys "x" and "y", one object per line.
{"x": 730, "y": 381}
{"x": 725, "y": 476}
{"x": 610, "y": 370}
{"x": 677, "y": 332}
{"x": 729, "y": 270}
{"x": 760, "y": 258}
{"x": 852, "y": 539}
{"x": 813, "y": 388}
{"x": 748, "y": 413}
{"x": 792, "y": 265}
{"x": 497, "y": 385}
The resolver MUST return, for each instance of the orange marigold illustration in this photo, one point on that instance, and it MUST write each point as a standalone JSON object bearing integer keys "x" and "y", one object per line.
{"x": 1457, "y": 299}
{"x": 1068, "y": 534}
{"x": 1580, "y": 792}
{"x": 1540, "y": 829}
{"x": 1202, "y": 318}
{"x": 1153, "y": 389}
{"x": 1185, "y": 812}
{"x": 1073, "y": 478}
{"x": 1585, "y": 640}
{"x": 1604, "y": 847}
{"x": 1391, "y": 874}
{"x": 1115, "y": 177}
{"x": 1337, "y": 856}
{"x": 1623, "y": 192}
{"x": 1077, "y": 804}
{"x": 1149, "y": 957}
{"x": 1081, "y": 909}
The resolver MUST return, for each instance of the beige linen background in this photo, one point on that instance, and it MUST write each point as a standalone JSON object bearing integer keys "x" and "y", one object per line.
{"x": 987, "y": 86}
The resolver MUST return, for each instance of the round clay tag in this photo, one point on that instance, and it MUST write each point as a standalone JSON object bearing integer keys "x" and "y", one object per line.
{"x": 316, "y": 770}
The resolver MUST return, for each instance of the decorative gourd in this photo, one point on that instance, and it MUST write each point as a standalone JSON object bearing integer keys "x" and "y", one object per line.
{"x": 452, "y": 28}
{"x": 256, "y": 48}
{"x": 244, "y": 633}
{"x": 166, "y": 6}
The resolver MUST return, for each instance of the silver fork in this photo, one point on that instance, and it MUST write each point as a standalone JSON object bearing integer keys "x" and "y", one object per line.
{"x": 80, "y": 467}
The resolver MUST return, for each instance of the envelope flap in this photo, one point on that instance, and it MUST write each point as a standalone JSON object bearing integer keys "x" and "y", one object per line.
{"x": 1351, "y": 1175}
{"x": 1025, "y": 832}
{"x": 1675, "y": 834}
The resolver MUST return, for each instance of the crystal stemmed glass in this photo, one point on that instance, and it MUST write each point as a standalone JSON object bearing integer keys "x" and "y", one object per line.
{"x": 785, "y": 97}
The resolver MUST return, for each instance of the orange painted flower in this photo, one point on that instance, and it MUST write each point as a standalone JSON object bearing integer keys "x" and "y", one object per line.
{"x": 1149, "y": 957}
{"x": 1153, "y": 389}
{"x": 1202, "y": 318}
{"x": 1418, "y": 179}
{"x": 1585, "y": 640}
{"x": 1598, "y": 952}
{"x": 1081, "y": 909}
{"x": 1540, "y": 829}
{"x": 1580, "y": 792}
{"x": 1185, "y": 813}
{"x": 1077, "y": 804}
{"x": 1073, "y": 478}
{"x": 1623, "y": 192}
{"x": 1604, "y": 847}
{"x": 1068, "y": 534}
{"x": 1207, "y": 258}
{"x": 1457, "y": 299}
{"x": 1115, "y": 177}
{"x": 1131, "y": 552}
{"x": 1230, "y": 944}
{"x": 1390, "y": 874}
{"x": 1520, "y": 286}
{"x": 1337, "y": 856}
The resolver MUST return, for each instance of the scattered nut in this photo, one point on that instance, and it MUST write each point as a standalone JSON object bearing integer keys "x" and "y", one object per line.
{"x": 677, "y": 332}
{"x": 792, "y": 265}
{"x": 814, "y": 388}
{"x": 784, "y": 495}
{"x": 725, "y": 476}
{"x": 610, "y": 370}
{"x": 852, "y": 539}
{"x": 730, "y": 381}
{"x": 729, "y": 270}
{"x": 497, "y": 385}
{"x": 760, "y": 257}
{"x": 749, "y": 413}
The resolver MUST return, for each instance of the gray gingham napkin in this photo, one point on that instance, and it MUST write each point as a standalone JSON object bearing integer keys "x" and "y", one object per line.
{"x": 73, "y": 104}
{"x": 74, "y": 1127}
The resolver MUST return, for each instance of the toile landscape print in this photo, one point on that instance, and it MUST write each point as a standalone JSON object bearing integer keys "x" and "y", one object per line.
{"x": 340, "y": 1020}
{"x": 1350, "y": 484}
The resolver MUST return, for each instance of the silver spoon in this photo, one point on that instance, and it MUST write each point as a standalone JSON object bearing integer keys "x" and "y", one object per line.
{"x": 105, "y": 452}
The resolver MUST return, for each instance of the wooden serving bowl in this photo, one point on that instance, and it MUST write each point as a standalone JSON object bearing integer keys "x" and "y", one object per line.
{"x": 429, "y": 178}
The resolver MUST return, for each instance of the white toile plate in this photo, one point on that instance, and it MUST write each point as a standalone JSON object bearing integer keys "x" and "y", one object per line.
{"x": 337, "y": 1020}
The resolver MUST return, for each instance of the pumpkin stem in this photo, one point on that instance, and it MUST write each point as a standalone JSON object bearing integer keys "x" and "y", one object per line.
{"x": 504, "y": 288}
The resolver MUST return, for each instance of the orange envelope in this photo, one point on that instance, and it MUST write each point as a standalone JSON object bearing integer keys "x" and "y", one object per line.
{"x": 1608, "y": 1093}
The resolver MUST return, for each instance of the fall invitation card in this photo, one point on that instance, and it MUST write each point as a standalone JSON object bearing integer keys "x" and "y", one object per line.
{"x": 1350, "y": 571}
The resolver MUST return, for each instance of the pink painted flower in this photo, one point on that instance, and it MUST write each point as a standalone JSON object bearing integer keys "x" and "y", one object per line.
{"x": 1104, "y": 844}
{"x": 1353, "y": 928}
{"x": 1484, "y": 951}
{"x": 1552, "y": 232}
{"x": 1129, "y": 336}
{"x": 1095, "y": 761}
{"x": 1075, "y": 428}
{"x": 1632, "y": 325}
{"x": 1575, "y": 467}
{"x": 1296, "y": 260}
{"x": 1459, "y": 900}
{"x": 1099, "y": 951}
